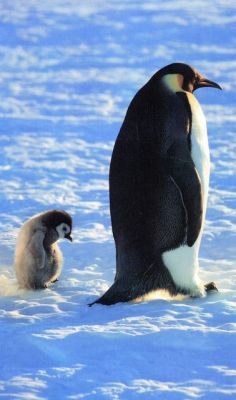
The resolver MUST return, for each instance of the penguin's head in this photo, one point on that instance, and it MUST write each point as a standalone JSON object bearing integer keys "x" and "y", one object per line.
{"x": 60, "y": 221}
{"x": 64, "y": 231}
{"x": 179, "y": 76}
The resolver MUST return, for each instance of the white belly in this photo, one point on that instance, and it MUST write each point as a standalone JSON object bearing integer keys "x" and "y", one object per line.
{"x": 183, "y": 262}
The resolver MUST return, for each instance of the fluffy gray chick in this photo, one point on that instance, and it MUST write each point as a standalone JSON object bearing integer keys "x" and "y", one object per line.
{"x": 38, "y": 259}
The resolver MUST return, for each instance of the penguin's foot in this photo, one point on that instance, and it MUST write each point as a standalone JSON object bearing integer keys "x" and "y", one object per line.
{"x": 210, "y": 287}
{"x": 55, "y": 280}
{"x": 39, "y": 287}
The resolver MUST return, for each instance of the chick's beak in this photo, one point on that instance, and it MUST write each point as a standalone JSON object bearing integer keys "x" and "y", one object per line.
{"x": 203, "y": 82}
{"x": 68, "y": 236}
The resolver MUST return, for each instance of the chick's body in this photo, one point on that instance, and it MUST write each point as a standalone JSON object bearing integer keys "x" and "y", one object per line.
{"x": 38, "y": 259}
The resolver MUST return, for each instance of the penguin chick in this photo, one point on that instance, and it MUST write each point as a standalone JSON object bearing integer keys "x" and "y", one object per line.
{"x": 38, "y": 259}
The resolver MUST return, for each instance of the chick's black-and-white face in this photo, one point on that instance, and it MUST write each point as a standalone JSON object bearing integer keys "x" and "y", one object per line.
{"x": 64, "y": 231}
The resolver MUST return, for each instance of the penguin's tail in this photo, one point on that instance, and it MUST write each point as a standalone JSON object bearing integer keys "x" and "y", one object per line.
{"x": 155, "y": 277}
{"x": 115, "y": 294}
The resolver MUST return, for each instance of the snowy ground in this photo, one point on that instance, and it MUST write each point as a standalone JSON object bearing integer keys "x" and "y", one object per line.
{"x": 68, "y": 70}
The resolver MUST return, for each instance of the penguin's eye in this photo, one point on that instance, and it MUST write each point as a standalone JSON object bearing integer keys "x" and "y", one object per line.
{"x": 64, "y": 229}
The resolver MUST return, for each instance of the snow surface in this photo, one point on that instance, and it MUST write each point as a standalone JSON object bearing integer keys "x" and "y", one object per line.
{"x": 68, "y": 71}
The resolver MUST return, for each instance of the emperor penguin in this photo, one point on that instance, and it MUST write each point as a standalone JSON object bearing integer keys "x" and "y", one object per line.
{"x": 38, "y": 259}
{"x": 158, "y": 182}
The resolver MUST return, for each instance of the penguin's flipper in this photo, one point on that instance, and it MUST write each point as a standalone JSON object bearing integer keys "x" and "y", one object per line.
{"x": 36, "y": 248}
{"x": 179, "y": 161}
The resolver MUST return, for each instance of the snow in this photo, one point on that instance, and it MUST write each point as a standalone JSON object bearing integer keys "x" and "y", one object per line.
{"x": 68, "y": 71}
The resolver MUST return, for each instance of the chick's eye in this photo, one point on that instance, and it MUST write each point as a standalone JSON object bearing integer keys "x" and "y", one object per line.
{"x": 64, "y": 229}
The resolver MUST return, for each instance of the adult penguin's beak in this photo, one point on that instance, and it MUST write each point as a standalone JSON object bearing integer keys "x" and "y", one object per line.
{"x": 203, "y": 82}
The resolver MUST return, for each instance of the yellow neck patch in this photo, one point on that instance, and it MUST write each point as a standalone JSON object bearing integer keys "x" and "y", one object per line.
{"x": 173, "y": 82}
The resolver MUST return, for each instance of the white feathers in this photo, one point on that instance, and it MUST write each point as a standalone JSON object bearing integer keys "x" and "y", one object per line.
{"x": 183, "y": 262}
{"x": 183, "y": 266}
{"x": 62, "y": 230}
{"x": 200, "y": 148}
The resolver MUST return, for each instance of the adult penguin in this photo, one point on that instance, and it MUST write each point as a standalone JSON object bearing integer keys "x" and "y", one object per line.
{"x": 159, "y": 178}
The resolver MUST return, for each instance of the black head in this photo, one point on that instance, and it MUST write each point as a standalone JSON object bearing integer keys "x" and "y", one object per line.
{"x": 189, "y": 78}
{"x": 60, "y": 221}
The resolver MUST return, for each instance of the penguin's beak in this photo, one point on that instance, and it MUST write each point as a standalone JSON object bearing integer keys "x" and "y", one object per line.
{"x": 203, "y": 82}
{"x": 68, "y": 236}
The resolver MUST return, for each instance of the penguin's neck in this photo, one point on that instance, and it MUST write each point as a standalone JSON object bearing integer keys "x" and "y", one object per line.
{"x": 173, "y": 82}
{"x": 50, "y": 238}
